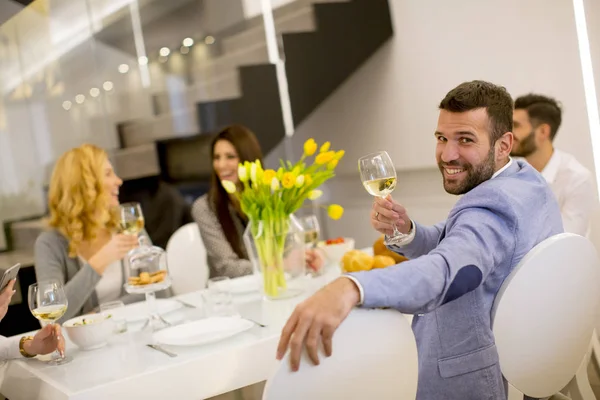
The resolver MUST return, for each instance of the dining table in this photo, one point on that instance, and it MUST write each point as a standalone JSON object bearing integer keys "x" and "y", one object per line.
{"x": 126, "y": 368}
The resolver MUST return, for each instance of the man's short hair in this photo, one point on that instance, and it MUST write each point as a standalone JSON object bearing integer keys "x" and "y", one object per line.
{"x": 480, "y": 94}
{"x": 541, "y": 110}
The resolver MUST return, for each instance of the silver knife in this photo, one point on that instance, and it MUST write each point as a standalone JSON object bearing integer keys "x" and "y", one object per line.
{"x": 185, "y": 304}
{"x": 162, "y": 350}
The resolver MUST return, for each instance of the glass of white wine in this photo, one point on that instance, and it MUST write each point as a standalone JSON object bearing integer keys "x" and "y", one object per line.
{"x": 378, "y": 176}
{"x": 310, "y": 224}
{"x": 132, "y": 218}
{"x": 48, "y": 302}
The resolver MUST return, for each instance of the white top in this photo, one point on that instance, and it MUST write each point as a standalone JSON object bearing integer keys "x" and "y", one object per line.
{"x": 109, "y": 286}
{"x": 573, "y": 187}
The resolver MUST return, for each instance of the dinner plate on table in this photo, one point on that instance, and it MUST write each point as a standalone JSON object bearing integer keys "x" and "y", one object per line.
{"x": 204, "y": 331}
{"x": 138, "y": 312}
{"x": 243, "y": 285}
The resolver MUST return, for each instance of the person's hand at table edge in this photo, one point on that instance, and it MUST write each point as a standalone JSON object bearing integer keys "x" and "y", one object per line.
{"x": 316, "y": 319}
{"x": 45, "y": 341}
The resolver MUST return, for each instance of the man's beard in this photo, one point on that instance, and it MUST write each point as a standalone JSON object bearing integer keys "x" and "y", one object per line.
{"x": 525, "y": 147}
{"x": 475, "y": 175}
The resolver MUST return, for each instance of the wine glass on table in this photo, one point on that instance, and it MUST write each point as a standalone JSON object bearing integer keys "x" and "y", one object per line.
{"x": 378, "y": 176}
{"x": 48, "y": 302}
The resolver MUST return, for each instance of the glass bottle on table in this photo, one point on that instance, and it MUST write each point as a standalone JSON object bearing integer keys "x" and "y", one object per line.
{"x": 48, "y": 302}
{"x": 378, "y": 176}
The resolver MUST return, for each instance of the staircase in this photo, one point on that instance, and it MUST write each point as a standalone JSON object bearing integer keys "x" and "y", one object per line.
{"x": 323, "y": 43}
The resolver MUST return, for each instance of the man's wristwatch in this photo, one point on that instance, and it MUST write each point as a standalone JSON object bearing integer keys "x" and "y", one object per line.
{"x": 22, "y": 349}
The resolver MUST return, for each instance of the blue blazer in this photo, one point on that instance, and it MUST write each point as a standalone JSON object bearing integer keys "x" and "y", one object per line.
{"x": 455, "y": 270}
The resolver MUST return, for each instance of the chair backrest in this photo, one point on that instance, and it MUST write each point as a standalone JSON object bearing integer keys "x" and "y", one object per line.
{"x": 374, "y": 357}
{"x": 545, "y": 313}
{"x": 186, "y": 255}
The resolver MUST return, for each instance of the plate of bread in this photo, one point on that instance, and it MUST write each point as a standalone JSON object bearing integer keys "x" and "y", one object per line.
{"x": 357, "y": 260}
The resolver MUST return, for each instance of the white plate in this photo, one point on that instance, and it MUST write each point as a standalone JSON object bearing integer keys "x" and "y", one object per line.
{"x": 203, "y": 331}
{"x": 137, "y": 312}
{"x": 244, "y": 284}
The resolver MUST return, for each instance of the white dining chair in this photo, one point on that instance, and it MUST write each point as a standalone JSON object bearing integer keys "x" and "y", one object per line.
{"x": 544, "y": 316}
{"x": 186, "y": 256}
{"x": 374, "y": 357}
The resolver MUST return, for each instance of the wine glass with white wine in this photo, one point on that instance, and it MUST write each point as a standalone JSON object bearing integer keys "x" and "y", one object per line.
{"x": 132, "y": 218}
{"x": 378, "y": 176}
{"x": 48, "y": 302}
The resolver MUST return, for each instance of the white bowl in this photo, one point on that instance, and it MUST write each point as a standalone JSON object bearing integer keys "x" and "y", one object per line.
{"x": 335, "y": 252}
{"x": 94, "y": 334}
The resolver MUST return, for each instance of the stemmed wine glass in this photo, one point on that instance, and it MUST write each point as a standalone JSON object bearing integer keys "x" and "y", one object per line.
{"x": 378, "y": 176}
{"x": 132, "y": 218}
{"x": 147, "y": 265}
{"x": 310, "y": 224}
{"x": 48, "y": 302}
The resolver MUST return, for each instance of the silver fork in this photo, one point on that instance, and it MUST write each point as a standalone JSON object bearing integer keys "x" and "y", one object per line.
{"x": 162, "y": 350}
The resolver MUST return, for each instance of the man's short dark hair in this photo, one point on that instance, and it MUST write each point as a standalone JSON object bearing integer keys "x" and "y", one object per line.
{"x": 480, "y": 94}
{"x": 541, "y": 110}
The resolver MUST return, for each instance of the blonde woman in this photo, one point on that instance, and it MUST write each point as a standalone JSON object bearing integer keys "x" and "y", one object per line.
{"x": 83, "y": 249}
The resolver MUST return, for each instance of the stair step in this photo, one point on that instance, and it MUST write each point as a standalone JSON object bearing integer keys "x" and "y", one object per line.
{"x": 24, "y": 233}
{"x": 136, "y": 162}
{"x": 225, "y": 86}
{"x": 295, "y": 21}
{"x": 178, "y": 124}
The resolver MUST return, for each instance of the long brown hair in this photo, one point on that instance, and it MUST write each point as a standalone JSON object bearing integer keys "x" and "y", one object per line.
{"x": 247, "y": 148}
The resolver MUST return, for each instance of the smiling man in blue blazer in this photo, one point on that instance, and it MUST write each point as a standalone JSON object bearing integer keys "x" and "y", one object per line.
{"x": 456, "y": 267}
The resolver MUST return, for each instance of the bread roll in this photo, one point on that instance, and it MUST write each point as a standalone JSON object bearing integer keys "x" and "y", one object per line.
{"x": 379, "y": 249}
{"x": 383, "y": 261}
{"x": 356, "y": 260}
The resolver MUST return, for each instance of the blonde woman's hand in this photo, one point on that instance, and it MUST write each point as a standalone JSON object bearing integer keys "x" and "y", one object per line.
{"x": 116, "y": 249}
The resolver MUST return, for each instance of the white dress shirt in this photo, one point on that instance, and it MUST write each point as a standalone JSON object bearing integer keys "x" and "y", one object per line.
{"x": 573, "y": 187}
{"x": 9, "y": 348}
{"x": 410, "y": 236}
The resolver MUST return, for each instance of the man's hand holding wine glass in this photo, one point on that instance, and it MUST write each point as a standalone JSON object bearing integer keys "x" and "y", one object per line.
{"x": 386, "y": 213}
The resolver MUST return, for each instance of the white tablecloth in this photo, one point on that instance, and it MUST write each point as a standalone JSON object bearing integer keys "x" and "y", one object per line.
{"x": 128, "y": 369}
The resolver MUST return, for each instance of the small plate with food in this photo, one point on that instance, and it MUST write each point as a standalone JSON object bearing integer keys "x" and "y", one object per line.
{"x": 334, "y": 249}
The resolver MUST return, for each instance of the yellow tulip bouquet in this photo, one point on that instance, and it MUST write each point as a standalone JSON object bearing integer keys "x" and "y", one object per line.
{"x": 269, "y": 197}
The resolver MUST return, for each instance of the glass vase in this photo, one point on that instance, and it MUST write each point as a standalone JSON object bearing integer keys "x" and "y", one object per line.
{"x": 276, "y": 249}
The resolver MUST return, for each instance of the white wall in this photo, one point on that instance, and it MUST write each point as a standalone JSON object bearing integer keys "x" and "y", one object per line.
{"x": 391, "y": 102}
{"x": 252, "y": 8}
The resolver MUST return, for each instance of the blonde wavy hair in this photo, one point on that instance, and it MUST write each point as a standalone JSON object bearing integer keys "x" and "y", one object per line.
{"x": 78, "y": 203}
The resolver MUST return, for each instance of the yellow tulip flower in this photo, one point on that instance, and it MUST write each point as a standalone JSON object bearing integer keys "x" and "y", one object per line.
{"x": 339, "y": 154}
{"x": 268, "y": 176}
{"x": 325, "y": 147}
{"x": 308, "y": 180}
{"x": 229, "y": 186}
{"x": 310, "y": 147}
{"x": 288, "y": 181}
{"x": 315, "y": 194}
{"x": 274, "y": 184}
{"x": 242, "y": 173}
{"x": 335, "y": 211}
{"x": 332, "y": 164}
{"x": 324, "y": 158}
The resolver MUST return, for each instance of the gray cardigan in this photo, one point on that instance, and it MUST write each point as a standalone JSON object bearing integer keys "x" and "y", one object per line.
{"x": 221, "y": 259}
{"x": 52, "y": 262}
